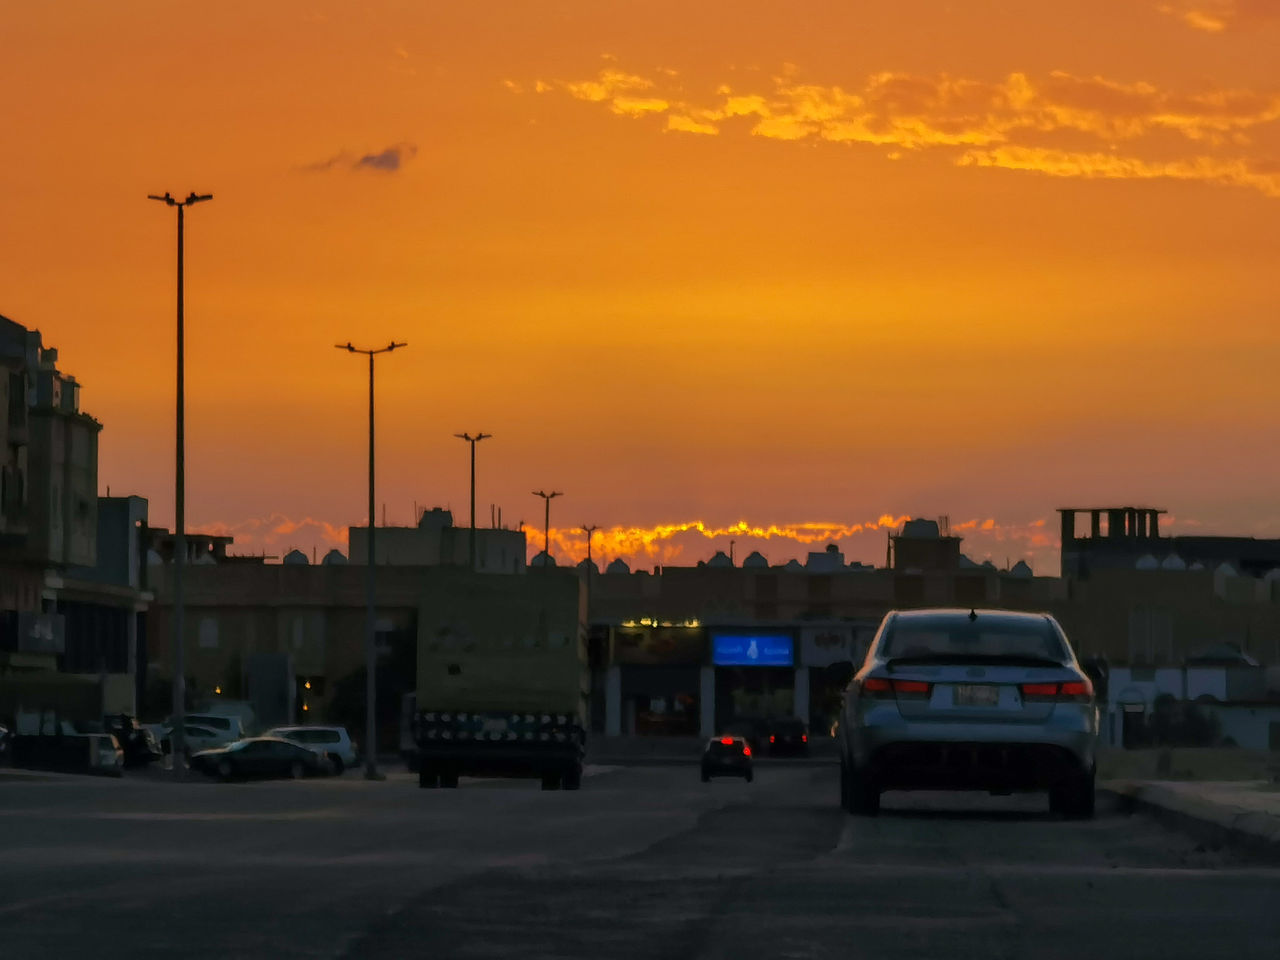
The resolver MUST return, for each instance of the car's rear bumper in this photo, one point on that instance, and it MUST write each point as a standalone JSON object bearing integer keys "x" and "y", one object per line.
{"x": 977, "y": 755}
{"x": 720, "y": 768}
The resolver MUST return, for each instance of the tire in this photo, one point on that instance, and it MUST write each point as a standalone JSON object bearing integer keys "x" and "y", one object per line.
{"x": 706, "y": 777}
{"x": 551, "y": 781}
{"x": 224, "y": 770}
{"x": 572, "y": 779}
{"x": 1075, "y": 798}
{"x": 864, "y": 794}
{"x": 748, "y": 776}
{"x": 427, "y": 778}
{"x": 338, "y": 766}
{"x": 449, "y": 780}
{"x": 296, "y": 770}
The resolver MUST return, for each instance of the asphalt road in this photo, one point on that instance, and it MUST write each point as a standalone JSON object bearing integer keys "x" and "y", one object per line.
{"x": 643, "y": 862}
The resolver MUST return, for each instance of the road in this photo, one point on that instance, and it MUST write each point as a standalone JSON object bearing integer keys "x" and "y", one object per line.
{"x": 643, "y": 862}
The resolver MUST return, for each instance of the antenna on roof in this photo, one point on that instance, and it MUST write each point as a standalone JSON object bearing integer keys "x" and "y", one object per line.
{"x": 973, "y": 615}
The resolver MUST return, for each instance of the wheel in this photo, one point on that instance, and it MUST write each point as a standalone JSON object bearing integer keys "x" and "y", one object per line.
{"x": 1074, "y": 798}
{"x": 224, "y": 769}
{"x": 748, "y": 776}
{"x": 296, "y": 770}
{"x": 864, "y": 794}
{"x": 550, "y": 781}
{"x": 706, "y": 777}
{"x": 572, "y": 779}
{"x": 338, "y": 765}
{"x": 427, "y": 777}
{"x": 449, "y": 779}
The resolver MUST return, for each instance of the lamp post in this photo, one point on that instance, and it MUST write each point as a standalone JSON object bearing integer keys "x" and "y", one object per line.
{"x": 371, "y": 589}
{"x": 591, "y": 567}
{"x": 176, "y": 735}
{"x": 473, "y": 441}
{"x": 546, "y": 523}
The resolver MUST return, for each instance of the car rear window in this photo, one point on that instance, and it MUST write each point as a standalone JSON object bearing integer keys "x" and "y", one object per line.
{"x": 992, "y": 637}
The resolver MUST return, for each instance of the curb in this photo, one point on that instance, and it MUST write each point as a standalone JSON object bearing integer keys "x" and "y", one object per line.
{"x": 1217, "y": 824}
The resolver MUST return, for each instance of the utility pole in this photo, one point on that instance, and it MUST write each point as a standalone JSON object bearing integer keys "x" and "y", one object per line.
{"x": 371, "y": 588}
{"x": 177, "y": 736}
{"x": 731, "y": 543}
{"x": 473, "y": 441}
{"x": 546, "y": 523}
{"x": 591, "y": 567}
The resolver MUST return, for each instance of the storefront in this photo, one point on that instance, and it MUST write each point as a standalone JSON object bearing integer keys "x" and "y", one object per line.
{"x": 754, "y": 675}
{"x": 654, "y": 687}
{"x": 829, "y": 655}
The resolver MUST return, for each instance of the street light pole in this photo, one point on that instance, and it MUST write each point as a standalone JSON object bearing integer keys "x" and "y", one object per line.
{"x": 546, "y": 523}
{"x": 371, "y": 590}
{"x": 177, "y": 736}
{"x": 473, "y": 441}
{"x": 591, "y": 567}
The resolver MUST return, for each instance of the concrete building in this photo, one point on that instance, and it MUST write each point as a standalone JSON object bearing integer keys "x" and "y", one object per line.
{"x": 435, "y": 541}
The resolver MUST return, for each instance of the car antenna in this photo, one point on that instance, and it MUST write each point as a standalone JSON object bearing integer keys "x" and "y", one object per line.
{"x": 973, "y": 614}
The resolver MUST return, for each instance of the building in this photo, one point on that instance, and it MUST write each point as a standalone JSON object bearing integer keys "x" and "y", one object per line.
{"x": 435, "y": 541}
{"x": 71, "y": 578}
{"x": 1121, "y": 537}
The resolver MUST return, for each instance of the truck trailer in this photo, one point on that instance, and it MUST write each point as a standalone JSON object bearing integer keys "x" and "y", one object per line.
{"x": 503, "y": 683}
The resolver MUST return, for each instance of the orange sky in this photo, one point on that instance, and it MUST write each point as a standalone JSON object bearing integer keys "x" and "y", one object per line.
{"x": 717, "y": 262}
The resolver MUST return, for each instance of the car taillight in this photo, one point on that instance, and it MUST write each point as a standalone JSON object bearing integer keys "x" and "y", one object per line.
{"x": 727, "y": 741}
{"x": 746, "y": 751}
{"x": 772, "y": 738}
{"x": 882, "y": 688}
{"x": 1071, "y": 690}
{"x": 804, "y": 737}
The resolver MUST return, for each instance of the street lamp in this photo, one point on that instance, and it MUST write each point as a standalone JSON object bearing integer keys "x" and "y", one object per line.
{"x": 176, "y": 736}
{"x": 473, "y": 441}
{"x": 591, "y": 567}
{"x": 371, "y": 588}
{"x": 546, "y": 524}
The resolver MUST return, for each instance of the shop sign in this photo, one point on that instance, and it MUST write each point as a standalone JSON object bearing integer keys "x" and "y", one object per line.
{"x": 751, "y": 650}
{"x": 659, "y": 645}
{"x": 823, "y": 646}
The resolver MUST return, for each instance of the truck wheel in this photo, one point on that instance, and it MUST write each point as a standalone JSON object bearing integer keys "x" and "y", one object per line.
{"x": 550, "y": 781}
{"x": 572, "y": 779}
{"x": 427, "y": 777}
{"x": 449, "y": 779}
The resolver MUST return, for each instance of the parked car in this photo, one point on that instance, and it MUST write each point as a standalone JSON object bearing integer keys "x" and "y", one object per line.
{"x": 788, "y": 738}
{"x": 259, "y": 758}
{"x": 971, "y": 700}
{"x": 6, "y": 745}
{"x": 727, "y": 756}
{"x": 194, "y": 739}
{"x": 333, "y": 742}
{"x": 140, "y": 745}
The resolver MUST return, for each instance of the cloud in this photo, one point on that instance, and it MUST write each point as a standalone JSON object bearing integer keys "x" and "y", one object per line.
{"x": 387, "y": 160}
{"x": 1017, "y": 123}
{"x": 1218, "y": 16}
{"x": 276, "y": 534}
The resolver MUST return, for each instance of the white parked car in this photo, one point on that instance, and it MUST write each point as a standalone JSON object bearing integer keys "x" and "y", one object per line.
{"x": 333, "y": 741}
{"x": 195, "y": 737}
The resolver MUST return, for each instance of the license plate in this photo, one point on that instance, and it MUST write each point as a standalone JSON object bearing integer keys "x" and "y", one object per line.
{"x": 976, "y": 695}
{"x": 495, "y": 725}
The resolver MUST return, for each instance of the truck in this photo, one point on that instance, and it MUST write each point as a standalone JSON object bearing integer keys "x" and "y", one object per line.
{"x": 503, "y": 684}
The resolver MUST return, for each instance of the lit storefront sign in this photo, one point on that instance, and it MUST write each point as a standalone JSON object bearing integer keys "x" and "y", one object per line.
{"x": 751, "y": 650}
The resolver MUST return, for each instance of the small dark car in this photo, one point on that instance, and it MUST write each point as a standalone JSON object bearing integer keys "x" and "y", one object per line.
{"x": 727, "y": 757}
{"x": 788, "y": 738}
{"x": 260, "y": 758}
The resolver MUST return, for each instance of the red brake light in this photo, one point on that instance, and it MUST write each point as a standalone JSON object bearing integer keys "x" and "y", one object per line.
{"x": 804, "y": 737}
{"x": 1077, "y": 689}
{"x": 910, "y": 686}
{"x": 1039, "y": 689}
{"x": 727, "y": 741}
{"x": 772, "y": 738}
{"x": 876, "y": 685}
{"x": 746, "y": 751}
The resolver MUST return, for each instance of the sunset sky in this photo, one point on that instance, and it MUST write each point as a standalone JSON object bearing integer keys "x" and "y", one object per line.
{"x": 811, "y": 267}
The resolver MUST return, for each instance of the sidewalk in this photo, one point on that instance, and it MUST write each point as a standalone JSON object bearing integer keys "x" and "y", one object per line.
{"x": 1244, "y": 813}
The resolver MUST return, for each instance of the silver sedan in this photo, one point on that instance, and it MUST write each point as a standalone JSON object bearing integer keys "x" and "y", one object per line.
{"x": 969, "y": 700}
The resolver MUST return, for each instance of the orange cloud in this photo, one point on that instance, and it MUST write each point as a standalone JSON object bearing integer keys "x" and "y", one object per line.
{"x": 1217, "y": 16}
{"x": 1013, "y": 124}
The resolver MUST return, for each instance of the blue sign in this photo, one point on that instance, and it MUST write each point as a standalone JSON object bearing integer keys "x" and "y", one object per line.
{"x": 752, "y": 650}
